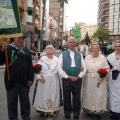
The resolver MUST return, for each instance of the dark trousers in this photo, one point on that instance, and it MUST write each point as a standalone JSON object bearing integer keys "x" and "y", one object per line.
{"x": 114, "y": 114}
{"x": 73, "y": 87}
{"x": 12, "y": 100}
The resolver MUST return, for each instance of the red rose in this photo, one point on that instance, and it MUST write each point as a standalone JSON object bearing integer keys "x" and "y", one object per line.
{"x": 36, "y": 65}
{"x": 102, "y": 70}
{"x": 102, "y": 73}
{"x": 37, "y": 68}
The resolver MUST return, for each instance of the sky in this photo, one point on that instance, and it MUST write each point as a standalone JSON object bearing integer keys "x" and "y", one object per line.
{"x": 81, "y": 11}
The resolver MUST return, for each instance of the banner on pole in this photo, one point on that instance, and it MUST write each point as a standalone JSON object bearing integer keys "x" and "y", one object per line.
{"x": 76, "y": 33}
{"x": 9, "y": 19}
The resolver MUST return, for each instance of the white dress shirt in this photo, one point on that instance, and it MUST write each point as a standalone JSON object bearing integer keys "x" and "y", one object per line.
{"x": 60, "y": 65}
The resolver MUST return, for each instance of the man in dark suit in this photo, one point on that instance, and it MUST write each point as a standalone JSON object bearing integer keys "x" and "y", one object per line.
{"x": 21, "y": 77}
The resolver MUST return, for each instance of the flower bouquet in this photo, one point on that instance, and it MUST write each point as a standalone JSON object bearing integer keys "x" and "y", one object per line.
{"x": 102, "y": 72}
{"x": 37, "y": 68}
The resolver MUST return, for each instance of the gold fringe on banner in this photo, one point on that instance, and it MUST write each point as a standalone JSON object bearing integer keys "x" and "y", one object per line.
{"x": 11, "y": 35}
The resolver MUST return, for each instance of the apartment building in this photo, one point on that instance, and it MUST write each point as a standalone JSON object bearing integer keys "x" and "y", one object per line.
{"x": 85, "y": 28}
{"x": 109, "y": 17}
{"x": 58, "y": 11}
{"x": 53, "y": 27}
{"x": 36, "y": 24}
{"x": 23, "y": 11}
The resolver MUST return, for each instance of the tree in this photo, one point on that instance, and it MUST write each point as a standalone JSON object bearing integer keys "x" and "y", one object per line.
{"x": 102, "y": 34}
{"x": 87, "y": 39}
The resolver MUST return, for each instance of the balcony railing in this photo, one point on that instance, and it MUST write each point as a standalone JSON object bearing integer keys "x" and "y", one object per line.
{"x": 51, "y": 26}
{"x": 56, "y": 28}
{"x": 106, "y": 20}
{"x": 104, "y": 1}
{"x": 105, "y": 14}
{"x": 105, "y": 7}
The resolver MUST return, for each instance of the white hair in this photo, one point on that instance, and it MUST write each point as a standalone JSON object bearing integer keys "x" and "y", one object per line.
{"x": 49, "y": 47}
{"x": 117, "y": 41}
{"x": 95, "y": 44}
{"x": 70, "y": 38}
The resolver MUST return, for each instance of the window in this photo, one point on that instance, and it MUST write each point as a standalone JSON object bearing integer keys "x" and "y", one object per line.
{"x": 116, "y": 13}
{"x": 117, "y": 9}
{"x": 115, "y": 30}
{"x": 111, "y": 24}
{"x": 116, "y": 27}
{"x": 116, "y": 16}
{"x": 110, "y": 17}
{"x": 116, "y": 1}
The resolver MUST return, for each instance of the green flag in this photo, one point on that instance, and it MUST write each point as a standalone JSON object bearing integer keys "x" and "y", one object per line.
{"x": 76, "y": 33}
{"x": 9, "y": 19}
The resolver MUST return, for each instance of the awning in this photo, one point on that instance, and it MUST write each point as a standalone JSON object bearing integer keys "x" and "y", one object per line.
{"x": 27, "y": 28}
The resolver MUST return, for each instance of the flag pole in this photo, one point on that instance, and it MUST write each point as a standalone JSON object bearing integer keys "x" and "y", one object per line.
{"x": 7, "y": 65}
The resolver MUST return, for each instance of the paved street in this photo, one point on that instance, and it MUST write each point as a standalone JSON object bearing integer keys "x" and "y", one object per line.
{"x": 34, "y": 115}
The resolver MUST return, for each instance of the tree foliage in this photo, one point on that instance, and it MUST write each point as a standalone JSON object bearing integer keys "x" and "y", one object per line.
{"x": 102, "y": 34}
{"x": 87, "y": 39}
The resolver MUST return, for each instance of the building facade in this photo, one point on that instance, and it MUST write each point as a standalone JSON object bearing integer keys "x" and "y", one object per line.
{"x": 109, "y": 17}
{"x": 58, "y": 11}
{"x": 85, "y": 28}
{"x": 53, "y": 27}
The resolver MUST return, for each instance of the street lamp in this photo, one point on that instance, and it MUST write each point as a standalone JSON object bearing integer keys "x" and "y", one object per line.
{"x": 65, "y": 21}
{"x": 65, "y": 27}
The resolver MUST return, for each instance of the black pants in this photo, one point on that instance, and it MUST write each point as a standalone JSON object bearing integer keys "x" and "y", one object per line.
{"x": 73, "y": 87}
{"x": 12, "y": 100}
{"x": 114, "y": 114}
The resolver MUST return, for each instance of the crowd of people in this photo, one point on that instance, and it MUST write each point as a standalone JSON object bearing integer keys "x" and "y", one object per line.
{"x": 73, "y": 78}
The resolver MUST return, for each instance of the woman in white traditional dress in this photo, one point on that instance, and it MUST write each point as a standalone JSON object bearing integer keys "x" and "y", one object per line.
{"x": 95, "y": 98}
{"x": 47, "y": 97}
{"x": 114, "y": 81}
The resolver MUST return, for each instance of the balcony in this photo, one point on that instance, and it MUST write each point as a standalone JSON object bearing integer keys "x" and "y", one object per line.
{"x": 104, "y": 1}
{"x": 105, "y": 14}
{"x": 105, "y": 8}
{"x": 36, "y": 25}
{"x": 104, "y": 20}
{"x": 36, "y": 12}
{"x": 55, "y": 28}
{"x": 22, "y": 5}
{"x": 28, "y": 28}
{"x": 51, "y": 26}
{"x": 105, "y": 27}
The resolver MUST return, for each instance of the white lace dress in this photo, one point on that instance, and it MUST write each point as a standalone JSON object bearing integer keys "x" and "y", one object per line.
{"x": 94, "y": 99}
{"x": 114, "y": 85}
{"x": 47, "y": 98}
